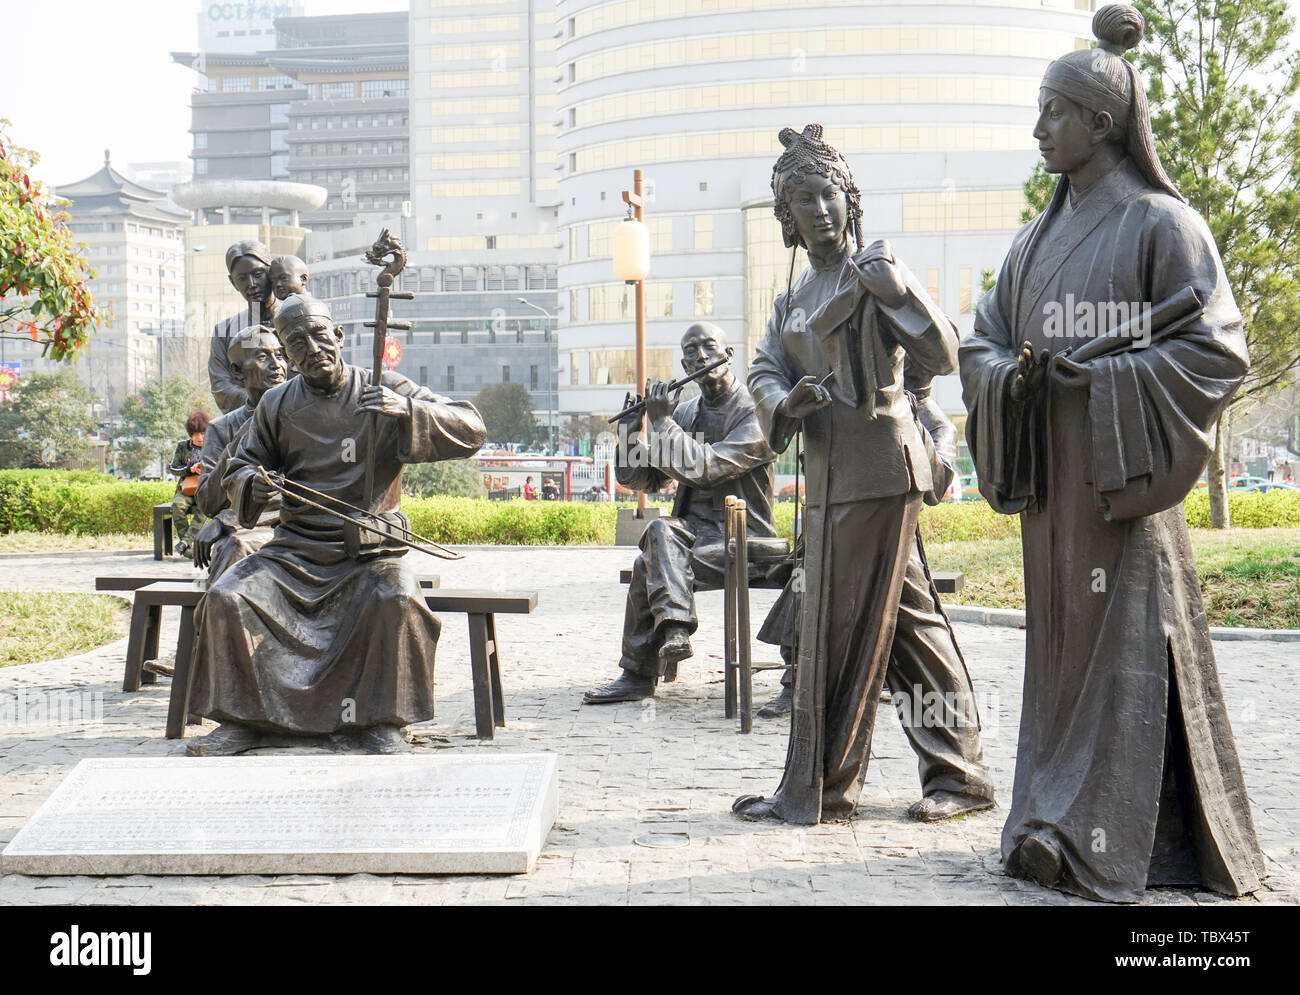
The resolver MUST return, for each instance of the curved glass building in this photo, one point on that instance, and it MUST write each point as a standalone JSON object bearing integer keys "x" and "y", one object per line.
{"x": 933, "y": 104}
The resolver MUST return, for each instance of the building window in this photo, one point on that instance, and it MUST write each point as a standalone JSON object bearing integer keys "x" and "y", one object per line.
{"x": 932, "y": 284}
{"x": 704, "y": 297}
{"x": 963, "y": 290}
{"x": 372, "y": 88}
{"x": 451, "y": 372}
{"x": 505, "y": 373}
{"x": 337, "y": 91}
{"x": 532, "y": 378}
{"x": 236, "y": 84}
{"x": 424, "y": 376}
{"x": 704, "y": 231}
{"x": 275, "y": 83}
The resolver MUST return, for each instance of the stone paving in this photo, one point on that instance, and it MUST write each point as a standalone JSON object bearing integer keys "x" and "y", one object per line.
{"x": 661, "y": 772}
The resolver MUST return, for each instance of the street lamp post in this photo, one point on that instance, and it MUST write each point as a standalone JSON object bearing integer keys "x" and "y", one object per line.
{"x": 632, "y": 265}
{"x": 550, "y": 369}
{"x": 161, "y": 331}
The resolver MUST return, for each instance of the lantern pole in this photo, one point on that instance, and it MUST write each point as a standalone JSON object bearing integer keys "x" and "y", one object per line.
{"x": 637, "y": 203}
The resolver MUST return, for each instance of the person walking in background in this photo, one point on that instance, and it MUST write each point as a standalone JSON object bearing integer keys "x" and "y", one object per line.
{"x": 530, "y": 492}
{"x": 186, "y": 466}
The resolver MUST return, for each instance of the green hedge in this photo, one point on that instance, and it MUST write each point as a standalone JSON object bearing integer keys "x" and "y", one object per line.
{"x": 86, "y": 503}
{"x": 77, "y": 501}
{"x": 1273, "y": 510}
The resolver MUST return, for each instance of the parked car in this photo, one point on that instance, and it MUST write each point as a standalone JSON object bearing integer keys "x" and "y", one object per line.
{"x": 1245, "y": 483}
{"x": 1267, "y": 486}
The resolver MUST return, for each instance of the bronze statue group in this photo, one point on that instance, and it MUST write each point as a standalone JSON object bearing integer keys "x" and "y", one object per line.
{"x": 1126, "y": 772}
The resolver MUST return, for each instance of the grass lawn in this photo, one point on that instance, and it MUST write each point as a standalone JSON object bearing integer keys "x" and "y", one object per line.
{"x": 44, "y": 626}
{"x": 59, "y": 542}
{"x": 1249, "y": 577}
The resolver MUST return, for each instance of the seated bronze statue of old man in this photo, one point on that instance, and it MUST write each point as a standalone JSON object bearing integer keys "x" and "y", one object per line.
{"x": 324, "y": 630}
{"x": 712, "y": 446}
{"x": 258, "y": 355}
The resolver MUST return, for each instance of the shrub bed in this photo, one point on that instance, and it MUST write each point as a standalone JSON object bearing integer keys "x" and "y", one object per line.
{"x": 81, "y": 502}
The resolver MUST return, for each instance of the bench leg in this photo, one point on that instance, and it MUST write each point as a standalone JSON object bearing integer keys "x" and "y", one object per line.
{"x": 135, "y": 643}
{"x": 157, "y": 536}
{"x": 741, "y": 567}
{"x": 151, "y": 633}
{"x": 479, "y": 651}
{"x": 167, "y": 534}
{"x": 494, "y": 664}
{"x": 729, "y": 615}
{"x": 178, "y": 704}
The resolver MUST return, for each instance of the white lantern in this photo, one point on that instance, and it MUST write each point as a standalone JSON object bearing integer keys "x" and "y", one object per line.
{"x": 631, "y": 251}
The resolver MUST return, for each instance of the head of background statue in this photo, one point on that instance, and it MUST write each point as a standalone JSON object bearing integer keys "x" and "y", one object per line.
{"x": 1105, "y": 101}
{"x": 808, "y": 160}
{"x": 313, "y": 343}
{"x": 248, "y": 265}
{"x": 259, "y": 355}
{"x": 288, "y": 276}
{"x": 704, "y": 343}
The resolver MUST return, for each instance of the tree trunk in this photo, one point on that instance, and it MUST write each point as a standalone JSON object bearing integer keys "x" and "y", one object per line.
{"x": 1219, "y": 515}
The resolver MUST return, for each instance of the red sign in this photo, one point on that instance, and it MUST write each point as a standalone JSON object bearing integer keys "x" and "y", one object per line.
{"x": 392, "y": 352}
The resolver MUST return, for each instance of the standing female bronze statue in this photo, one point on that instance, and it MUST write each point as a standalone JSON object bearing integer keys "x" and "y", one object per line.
{"x": 832, "y": 362}
{"x": 1126, "y": 772}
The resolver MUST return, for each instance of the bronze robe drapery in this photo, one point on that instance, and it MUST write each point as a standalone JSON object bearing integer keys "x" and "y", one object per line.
{"x": 867, "y": 467}
{"x": 219, "y": 442}
{"x": 1135, "y": 777}
{"x": 224, "y": 377}
{"x": 302, "y": 636}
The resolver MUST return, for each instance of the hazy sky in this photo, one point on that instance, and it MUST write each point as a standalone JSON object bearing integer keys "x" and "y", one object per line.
{"x": 86, "y": 75}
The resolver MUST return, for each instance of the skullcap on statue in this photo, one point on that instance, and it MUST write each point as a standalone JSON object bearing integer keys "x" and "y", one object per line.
{"x": 248, "y": 340}
{"x": 1101, "y": 79}
{"x": 295, "y": 308}
{"x": 247, "y": 247}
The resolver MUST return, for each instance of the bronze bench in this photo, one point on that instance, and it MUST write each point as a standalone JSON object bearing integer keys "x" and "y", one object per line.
{"x": 482, "y": 607}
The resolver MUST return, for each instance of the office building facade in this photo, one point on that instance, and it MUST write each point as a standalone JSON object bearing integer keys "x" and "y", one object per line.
{"x": 933, "y": 105}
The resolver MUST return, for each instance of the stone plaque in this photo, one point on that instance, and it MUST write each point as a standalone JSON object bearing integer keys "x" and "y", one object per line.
{"x": 440, "y": 814}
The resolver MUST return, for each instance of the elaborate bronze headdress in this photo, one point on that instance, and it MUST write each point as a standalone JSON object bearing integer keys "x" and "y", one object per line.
{"x": 805, "y": 153}
{"x": 1101, "y": 79}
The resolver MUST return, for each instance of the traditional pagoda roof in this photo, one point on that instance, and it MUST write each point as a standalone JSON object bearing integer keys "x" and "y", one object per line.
{"x": 109, "y": 192}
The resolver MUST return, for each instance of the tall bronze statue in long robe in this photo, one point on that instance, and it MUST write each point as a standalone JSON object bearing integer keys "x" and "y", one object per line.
{"x": 832, "y": 361}
{"x": 324, "y": 629}
{"x": 1126, "y": 771}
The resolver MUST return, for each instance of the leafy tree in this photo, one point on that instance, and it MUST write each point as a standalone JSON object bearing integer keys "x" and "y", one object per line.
{"x": 585, "y": 428}
{"x": 133, "y": 458}
{"x": 454, "y": 478}
{"x": 158, "y": 413}
{"x": 45, "y": 423}
{"x": 1222, "y": 77}
{"x": 40, "y": 264}
{"x": 507, "y": 411}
